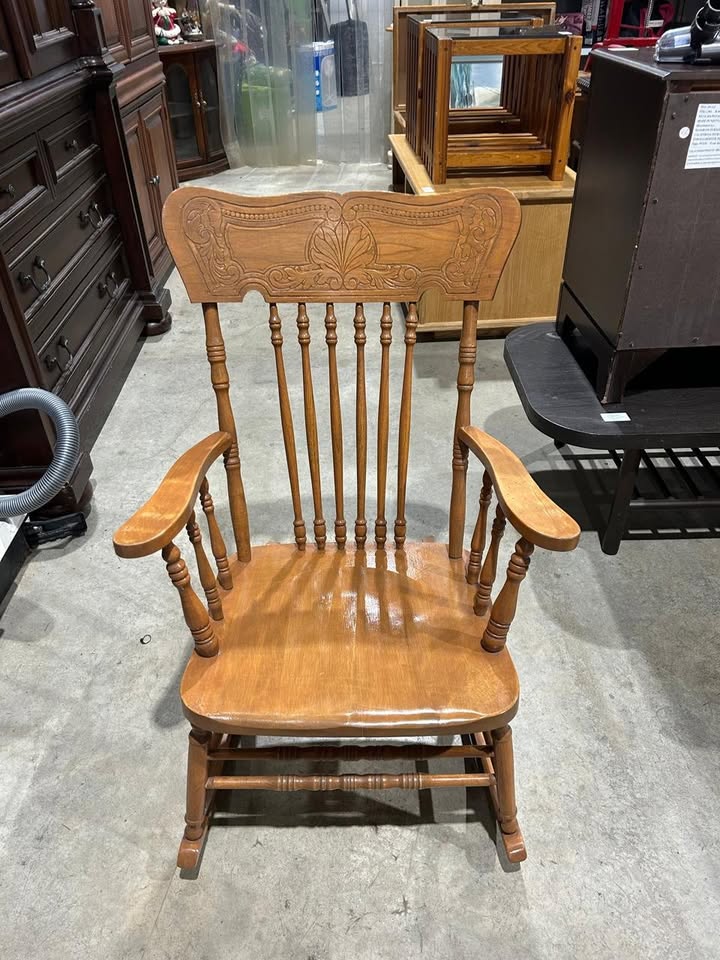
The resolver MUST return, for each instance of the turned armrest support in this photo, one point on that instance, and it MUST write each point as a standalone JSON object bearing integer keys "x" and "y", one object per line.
{"x": 531, "y": 512}
{"x": 169, "y": 509}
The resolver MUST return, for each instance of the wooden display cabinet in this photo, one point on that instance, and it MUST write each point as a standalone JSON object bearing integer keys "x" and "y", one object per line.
{"x": 192, "y": 85}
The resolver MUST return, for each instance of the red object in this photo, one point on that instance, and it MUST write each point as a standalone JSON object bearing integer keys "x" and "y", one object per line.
{"x": 647, "y": 36}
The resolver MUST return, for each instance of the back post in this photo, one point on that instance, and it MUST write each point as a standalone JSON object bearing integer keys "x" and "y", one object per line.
{"x": 216, "y": 355}
{"x": 467, "y": 354}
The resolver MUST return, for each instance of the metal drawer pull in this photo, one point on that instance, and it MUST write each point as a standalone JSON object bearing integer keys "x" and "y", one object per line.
{"x": 72, "y": 144}
{"x": 52, "y": 361}
{"x": 104, "y": 286}
{"x": 28, "y": 280}
{"x": 86, "y": 218}
{"x": 154, "y": 181}
{"x": 9, "y": 190}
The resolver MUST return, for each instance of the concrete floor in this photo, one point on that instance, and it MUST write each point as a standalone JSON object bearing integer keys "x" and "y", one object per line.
{"x": 616, "y": 738}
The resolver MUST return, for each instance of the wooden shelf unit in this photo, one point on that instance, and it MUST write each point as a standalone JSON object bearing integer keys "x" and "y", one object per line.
{"x": 530, "y": 128}
{"x": 415, "y": 41}
{"x": 530, "y": 283}
{"x": 399, "y": 31}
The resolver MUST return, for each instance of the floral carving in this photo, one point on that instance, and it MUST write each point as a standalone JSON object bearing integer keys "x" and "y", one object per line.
{"x": 350, "y": 244}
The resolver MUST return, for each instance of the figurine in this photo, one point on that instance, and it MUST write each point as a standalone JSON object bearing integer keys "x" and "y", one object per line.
{"x": 167, "y": 30}
{"x": 190, "y": 27}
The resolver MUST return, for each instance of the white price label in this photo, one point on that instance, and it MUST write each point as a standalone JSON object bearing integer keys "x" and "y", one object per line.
{"x": 704, "y": 149}
{"x": 614, "y": 417}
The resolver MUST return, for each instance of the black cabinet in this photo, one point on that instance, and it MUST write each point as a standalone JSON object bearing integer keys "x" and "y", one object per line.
{"x": 640, "y": 273}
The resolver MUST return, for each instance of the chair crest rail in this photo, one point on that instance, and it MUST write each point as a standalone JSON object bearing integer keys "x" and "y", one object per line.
{"x": 318, "y": 247}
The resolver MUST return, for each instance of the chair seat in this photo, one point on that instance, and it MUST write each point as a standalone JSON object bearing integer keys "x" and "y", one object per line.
{"x": 350, "y": 643}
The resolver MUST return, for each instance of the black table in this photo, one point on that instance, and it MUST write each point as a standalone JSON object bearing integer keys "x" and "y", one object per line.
{"x": 680, "y": 420}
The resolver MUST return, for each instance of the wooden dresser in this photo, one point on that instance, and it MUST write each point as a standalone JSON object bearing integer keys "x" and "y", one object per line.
{"x": 130, "y": 37}
{"x": 83, "y": 175}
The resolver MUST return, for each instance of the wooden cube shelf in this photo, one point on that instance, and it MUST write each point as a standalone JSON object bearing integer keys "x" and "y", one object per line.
{"x": 415, "y": 45}
{"x": 528, "y": 130}
{"x": 399, "y": 31}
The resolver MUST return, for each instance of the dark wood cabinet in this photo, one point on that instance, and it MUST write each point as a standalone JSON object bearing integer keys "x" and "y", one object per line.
{"x": 44, "y": 34}
{"x": 86, "y": 162}
{"x": 9, "y": 72}
{"x": 130, "y": 37}
{"x": 194, "y": 106}
{"x": 150, "y": 150}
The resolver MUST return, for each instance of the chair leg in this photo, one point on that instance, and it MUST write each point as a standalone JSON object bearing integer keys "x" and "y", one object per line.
{"x": 196, "y": 808}
{"x": 506, "y": 810}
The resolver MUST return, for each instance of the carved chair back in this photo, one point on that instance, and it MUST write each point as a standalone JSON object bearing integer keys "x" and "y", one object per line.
{"x": 325, "y": 248}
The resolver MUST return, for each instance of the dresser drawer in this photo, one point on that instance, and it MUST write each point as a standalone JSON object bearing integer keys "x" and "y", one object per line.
{"x": 42, "y": 260}
{"x": 24, "y": 186}
{"x": 71, "y": 146}
{"x": 63, "y": 354}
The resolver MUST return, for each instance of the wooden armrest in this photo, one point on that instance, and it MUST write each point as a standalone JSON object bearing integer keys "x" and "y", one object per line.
{"x": 533, "y": 514}
{"x": 155, "y": 524}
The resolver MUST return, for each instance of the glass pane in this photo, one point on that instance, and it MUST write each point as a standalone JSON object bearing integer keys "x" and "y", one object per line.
{"x": 181, "y": 113}
{"x": 475, "y": 82}
{"x": 208, "y": 85}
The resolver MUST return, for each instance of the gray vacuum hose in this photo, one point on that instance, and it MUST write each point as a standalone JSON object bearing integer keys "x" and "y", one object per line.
{"x": 67, "y": 448}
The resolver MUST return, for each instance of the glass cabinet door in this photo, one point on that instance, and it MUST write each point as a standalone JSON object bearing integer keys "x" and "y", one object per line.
{"x": 182, "y": 114}
{"x": 207, "y": 78}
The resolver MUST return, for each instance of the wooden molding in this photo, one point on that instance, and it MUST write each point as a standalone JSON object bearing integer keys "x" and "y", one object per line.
{"x": 330, "y": 247}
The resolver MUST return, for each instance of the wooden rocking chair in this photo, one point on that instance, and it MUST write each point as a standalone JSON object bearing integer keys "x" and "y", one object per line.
{"x": 356, "y": 639}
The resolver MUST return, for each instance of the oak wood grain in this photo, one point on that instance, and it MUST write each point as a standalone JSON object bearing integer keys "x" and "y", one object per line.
{"x": 335, "y": 424}
{"x": 411, "y": 322}
{"x": 383, "y": 424}
{"x": 311, "y": 431}
{"x": 291, "y": 665}
{"x": 533, "y": 514}
{"x": 217, "y": 542}
{"x": 215, "y": 348}
{"x": 288, "y": 429}
{"x": 169, "y": 508}
{"x": 324, "y": 247}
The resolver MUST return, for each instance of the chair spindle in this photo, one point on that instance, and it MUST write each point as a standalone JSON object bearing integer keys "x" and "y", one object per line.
{"x": 488, "y": 573}
{"x": 288, "y": 429}
{"x": 360, "y": 425}
{"x": 215, "y": 346}
{"x": 217, "y": 543}
{"x": 477, "y": 545}
{"x": 196, "y": 616}
{"x": 503, "y": 610}
{"x": 205, "y": 572}
{"x": 411, "y": 322}
{"x": 311, "y": 432}
{"x": 467, "y": 353}
{"x": 335, "y": 424}
{"x": 383, "y": 424}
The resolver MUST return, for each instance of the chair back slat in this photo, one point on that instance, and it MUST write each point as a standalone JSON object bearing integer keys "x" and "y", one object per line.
{"x": 383, "y": 424}
{"x": 215, "y": 346}
{"x": 288, "y": 429}
{"x": 336, "y": 431}
{"x": 411, "y": 322}
{"x": 360, "y": 425}
{"x": 311, "y": 431}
